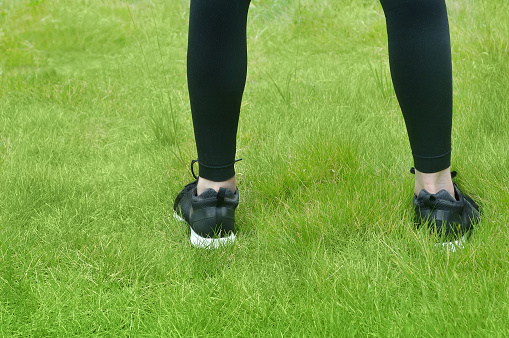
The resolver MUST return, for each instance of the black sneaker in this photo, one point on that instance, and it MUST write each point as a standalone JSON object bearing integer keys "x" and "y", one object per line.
{"x": 450, "y": 218}
{"x": 210, "y": 216}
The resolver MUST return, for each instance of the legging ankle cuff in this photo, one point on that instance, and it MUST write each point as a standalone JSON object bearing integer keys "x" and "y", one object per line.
{"x": 432, "y": 164}
{"x": 217, "y": 173}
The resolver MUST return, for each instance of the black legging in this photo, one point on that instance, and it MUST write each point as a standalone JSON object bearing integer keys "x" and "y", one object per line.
{"x": 420, "y": 61}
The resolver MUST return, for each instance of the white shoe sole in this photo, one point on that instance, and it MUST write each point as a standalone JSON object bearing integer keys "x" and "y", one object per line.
{"x": 453, "y": 246}
{"x": 206, "y": 243}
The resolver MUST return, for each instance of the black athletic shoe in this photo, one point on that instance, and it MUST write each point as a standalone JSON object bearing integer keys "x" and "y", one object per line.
{"x": 210, "y": 216}
{"x": 450, "y": 218}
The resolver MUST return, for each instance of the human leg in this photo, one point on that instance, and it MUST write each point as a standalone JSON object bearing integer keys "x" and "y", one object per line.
{"x": 216, "y": 72}
{"x": 420, "y": 61}
{"x": 216, "y": 66}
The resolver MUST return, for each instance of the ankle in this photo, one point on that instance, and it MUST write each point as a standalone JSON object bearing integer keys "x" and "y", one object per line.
{"x": 434, "y": 182}
{"x": 204, "y": 184}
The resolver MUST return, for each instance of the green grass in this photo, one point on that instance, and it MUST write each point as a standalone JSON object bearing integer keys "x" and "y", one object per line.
{"x": 96, "y": 139}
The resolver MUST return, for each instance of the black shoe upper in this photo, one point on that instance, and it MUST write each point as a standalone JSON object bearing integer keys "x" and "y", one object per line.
{"x": 445, "y": 215}
{"x": 211, "y": 214}
{"x": 182, "y": 204}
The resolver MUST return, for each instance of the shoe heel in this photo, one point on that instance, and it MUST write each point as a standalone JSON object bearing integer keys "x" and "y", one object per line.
{"x": 210, "y": 243}
{"x": 453, "y": 246}
{"x": 177, "y": 217}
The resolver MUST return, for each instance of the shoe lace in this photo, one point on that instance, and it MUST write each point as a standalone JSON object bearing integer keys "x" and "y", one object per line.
{"x": 453, "y": 173}
{"x": 192, "y": 168}
{"x": 197, "y": 160}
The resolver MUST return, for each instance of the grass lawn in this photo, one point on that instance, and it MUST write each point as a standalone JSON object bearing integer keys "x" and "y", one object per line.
{"x": 96, "y": 140}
